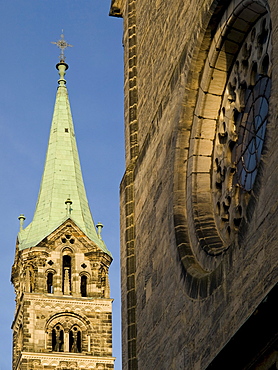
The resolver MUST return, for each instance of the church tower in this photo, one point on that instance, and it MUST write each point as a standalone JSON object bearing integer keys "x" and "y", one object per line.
{"x": 63, "y": 316}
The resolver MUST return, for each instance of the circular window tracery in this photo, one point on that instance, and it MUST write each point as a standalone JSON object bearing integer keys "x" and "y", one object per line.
{"x": 207, "y": 215}
{"x": 251, "y": 126}
{"x": 241, "y": 128}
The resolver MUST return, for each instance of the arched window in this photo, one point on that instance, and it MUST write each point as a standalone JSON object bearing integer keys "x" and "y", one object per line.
{"x": 58, "y": 339}
{"x": 83, "y": 286}
{"x": 49, "y": 282}
{"x": 66, "y": 274}
{"x": 75, "y": 340}
{"x": 30, "y": 280}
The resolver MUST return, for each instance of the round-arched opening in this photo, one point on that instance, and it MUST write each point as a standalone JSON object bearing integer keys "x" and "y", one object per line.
{"x": 49, "y": 282}
{"x": 66, "y": 278}
{"x": 83, "y": 285}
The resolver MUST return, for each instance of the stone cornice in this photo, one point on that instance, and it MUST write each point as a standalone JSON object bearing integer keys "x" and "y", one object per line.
{"x": 103, "y": 304}
{"x": 116, "y": 9}
{"x": 51, "y": 359}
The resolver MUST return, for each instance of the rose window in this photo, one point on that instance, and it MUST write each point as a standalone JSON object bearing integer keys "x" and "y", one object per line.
{"x": 241, "y": 129}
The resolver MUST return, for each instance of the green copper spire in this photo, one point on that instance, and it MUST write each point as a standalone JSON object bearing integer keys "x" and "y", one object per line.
{"x": 62, "y": 193}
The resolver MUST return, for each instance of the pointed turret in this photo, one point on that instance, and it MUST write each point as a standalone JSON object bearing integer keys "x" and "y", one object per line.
{"x": 61, "y": 267}
{"x": 62, "y": 193}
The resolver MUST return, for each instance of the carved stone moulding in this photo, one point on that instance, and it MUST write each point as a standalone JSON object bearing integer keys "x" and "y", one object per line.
{"x": 67, "y": 361}
{"x": 226, "y": 142}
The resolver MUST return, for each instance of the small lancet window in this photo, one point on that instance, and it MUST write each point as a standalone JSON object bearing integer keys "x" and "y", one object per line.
{"x": 75, "y": 340}
{"x": 83, "y": 286}
{"x": 49, "y": 282}
{"x": 66, "y": 274}
{"x": 58, "y": 339}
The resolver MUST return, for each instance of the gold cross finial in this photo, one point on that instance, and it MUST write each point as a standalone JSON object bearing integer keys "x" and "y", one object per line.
{"x": 62, "y": 45}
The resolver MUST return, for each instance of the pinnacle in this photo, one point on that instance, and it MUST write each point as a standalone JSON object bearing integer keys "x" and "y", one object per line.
{"x": 62, "y": 192}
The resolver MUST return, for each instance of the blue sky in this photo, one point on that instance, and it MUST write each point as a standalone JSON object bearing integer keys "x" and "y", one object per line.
{"x": 28, "y": 81}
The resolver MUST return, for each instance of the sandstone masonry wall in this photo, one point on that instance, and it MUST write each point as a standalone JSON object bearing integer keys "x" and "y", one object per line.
{"x": 184, "y": 319}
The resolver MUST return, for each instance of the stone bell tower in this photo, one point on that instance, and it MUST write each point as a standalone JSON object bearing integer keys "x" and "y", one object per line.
{"x": 63, "y": 316}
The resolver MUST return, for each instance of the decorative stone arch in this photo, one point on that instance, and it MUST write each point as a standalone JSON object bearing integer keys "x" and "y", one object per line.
{"x": 67, "y": 269}
{"x": 67, "y": 250}
{"x": 50, "y": 269}
{"x": 68, "y": 320}
{"x": 86, "y": 273}
{"x": 202, "y": 243}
